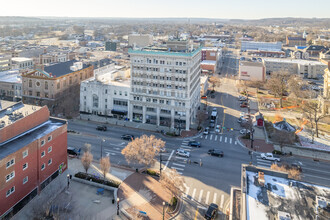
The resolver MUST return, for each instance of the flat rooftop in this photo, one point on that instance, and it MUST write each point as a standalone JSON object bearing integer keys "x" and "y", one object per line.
{"x": 250, "y": 63}
{"x": 279, "y": 196}
{"x": 163, "y": 51}
{"x": 30, "y": 136}
{"x": 10, "y": 76}
{"x": 298, "y": 61}
{"x": 209, "y": 62}
{"x": 14, "y": 111}
{"x": 20, "y": 59}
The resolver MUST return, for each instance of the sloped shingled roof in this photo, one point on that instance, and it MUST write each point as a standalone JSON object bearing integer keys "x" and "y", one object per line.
{"x": 61, "y": 69}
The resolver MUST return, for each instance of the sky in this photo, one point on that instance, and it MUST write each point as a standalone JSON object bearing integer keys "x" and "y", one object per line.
{"x": 227, "y": 9}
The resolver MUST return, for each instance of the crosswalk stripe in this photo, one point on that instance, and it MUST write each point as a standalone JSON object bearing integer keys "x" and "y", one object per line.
{"x": 230, "y": 140}
{"x": 201, "y": 136}
{"x": 186, "y": 149}
{"x": 182, "y": 158}
{"x": 187, "y": 190}
{"x": 215, "y": 198}
{"x": 222, "y": 200}
{"x": 193, "y": 194}
{"x": 220, "y": 138}
{"x": 200, "y": 196}
{"x": 186, "y": 146}
{"x": 211, "y": 137}
{"x": 260, "y": 165}
{"x": 180, "y": 165}
{"x": 264, "y": 161}
{"x": 207, "y": 197}
{"x": 216, "y": 137}
{"x": 185, "y": 141}
{"x": 177, "y": 168}
{"x": 205, "y": 137}
{"x": 268, "y": 164}
{"x": 235, "y": 142}
{"x": 225, "y": 139}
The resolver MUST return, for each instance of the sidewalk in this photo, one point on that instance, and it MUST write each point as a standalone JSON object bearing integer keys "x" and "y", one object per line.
{"x": 141, "y": 192}
{"x": 259, "y": 145}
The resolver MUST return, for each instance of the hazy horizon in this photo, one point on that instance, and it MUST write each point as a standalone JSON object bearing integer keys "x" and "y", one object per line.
{"x": 208, "y": 9}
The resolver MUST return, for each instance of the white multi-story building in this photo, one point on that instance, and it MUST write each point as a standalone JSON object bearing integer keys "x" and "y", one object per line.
{"x": 165, "y": 86}
{"x": 106, "y": 94}
{"x": 261, "y": 46}
{"x": 22, "y": 63}
{"x": 304, "y": 68}
{"x": 140, "y": 40}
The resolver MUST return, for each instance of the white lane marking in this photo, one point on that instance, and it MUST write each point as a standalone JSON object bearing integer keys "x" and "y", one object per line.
{"x": 322, "y": 171}
{"x": 201, "y": 207}
{"x": 193, "y": 194}
{"x": 182, "y": 158}
{"x": 220, "y": 138}
{"x": 177, "y": 168}
{"x": 266, "y": 164}
{"x": 205, "y": 137}
{"x": 168, "y": 160}
{"x": 186, "y": 146}
{"x": 225, "y": 139}
{"x": 308, "y": 175}
{"x": 264, "y": 161}
{"x": 201, "y": 136}
{"x": 185, "y": 142}
{"x": 216, "y": 137}
{"x": 215, "y": 198}
{"x": 211, "y": 137}
{"x": 112, "y": 152}
{"x": 180, "y": 165}
{"x": 230, "y": 140}
{"x": 235, "y": 142}
{"x": 186, "y": 149}
{"x": 222, "y": 200}
{"x": 200, "y": 196}
{"x": 187, "y": 190}
{"x": 207, "y": 197}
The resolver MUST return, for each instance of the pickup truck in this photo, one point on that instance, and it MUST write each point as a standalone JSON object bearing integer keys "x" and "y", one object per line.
{"x": 269, "y": 156}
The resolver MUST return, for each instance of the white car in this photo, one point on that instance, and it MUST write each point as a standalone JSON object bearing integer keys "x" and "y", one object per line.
{"x": 182, "y": 153}
{"x": 217, "y": 129}
{"x": 269, "y": 156}
{"x": 206, "y": 131}
{"x": 244, "y": 131}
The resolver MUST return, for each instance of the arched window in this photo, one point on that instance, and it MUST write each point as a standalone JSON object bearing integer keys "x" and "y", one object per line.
{"x": 95, "y": 101}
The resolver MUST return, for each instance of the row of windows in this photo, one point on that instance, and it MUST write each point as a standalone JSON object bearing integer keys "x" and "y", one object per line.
{"x": 162, "y": 70}
{"x": 117, "y": 102}
{"x": 155, "y": 61}
{"x": 156, "y": 85}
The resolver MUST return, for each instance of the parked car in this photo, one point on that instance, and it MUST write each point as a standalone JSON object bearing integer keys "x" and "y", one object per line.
{"x": 206, "y": 131}
{"x": 244, "y": 131}
{"x": 204, "y": 97}
{"x": 293, "y": 166}
{"x": 269, "y": 156}
{"x": 127, "y": 137}
{"x": 244, "y": 105}
{"x": 194, "y": 144}
{"x": 215, "y": 152}
{"x": 212, "y": 125}
{"x": 73, "y": 152}
{"x": 101, "y": 128}
{"x": 182, "y": 153}
{"x": 211, "y": 212}
{"x": 217, "y": 128}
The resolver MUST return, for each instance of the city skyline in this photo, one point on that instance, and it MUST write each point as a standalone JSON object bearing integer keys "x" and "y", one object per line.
{"x": 255, "y": 9}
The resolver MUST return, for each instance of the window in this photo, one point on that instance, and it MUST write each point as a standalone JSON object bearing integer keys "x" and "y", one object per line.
{"x": 25, "y": 153}
{"x": 50, "y": 149}
{"x": 125, "y": 93}
{"x": 43, "y": 154}
{"x": 106, "y": 100}
{"x": 42, "y": 166}
{"x": 106, "y": 91}
{"x": 25, "y": 180}
{"x": 115, "y": 92}
{"x": 50, "y": 161}
{"x": 120, "y": 93}
{"x": 38, "y": 94}
{"x": 95, "y": 101}
{"x": 46, "y": 85}
{"x": 25, "y": 166}
{"x": 50, "y": 138}
{"x": 10, "y": 191}
{"x": 42, "y": 142}
{"x": 10, "y": 163}
{"x": 58, "y": 85}
{"x": 10, "y": 176}
{"x": 30, "y": 83}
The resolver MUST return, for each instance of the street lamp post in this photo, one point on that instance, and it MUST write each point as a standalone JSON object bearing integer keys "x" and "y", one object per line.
{"x": 164, "y": 210}
{"x": 102, "y": 147}
{"x": 117, "y": 206}
{"x": 68, "y": 178}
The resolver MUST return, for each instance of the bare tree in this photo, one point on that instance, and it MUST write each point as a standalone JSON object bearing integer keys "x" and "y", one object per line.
{"x": 143, "y": 150}
{"x": 215, "y": 81}
{"x": 87, "y": 147}
{"x": 105, "y": 165}
{"x": 312, "y": 112}
{"x": 255, "y": 84}
{"x": 201, "y": 117}
{"x": 292, "y": 172}
{"x": 86, "y": 160}
{"x": 283, "y": 138}
{"x": 277, "y": 84}
{"x": 173, "y": 181}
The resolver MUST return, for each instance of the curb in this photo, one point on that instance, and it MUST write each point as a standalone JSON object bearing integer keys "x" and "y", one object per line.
{"x": 179, "y": 209}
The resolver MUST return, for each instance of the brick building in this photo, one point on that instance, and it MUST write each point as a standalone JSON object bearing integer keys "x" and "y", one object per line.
{"x": 295, "y": 41}
{"x": 33, "y": 152}
{"x": 53, "y": 84}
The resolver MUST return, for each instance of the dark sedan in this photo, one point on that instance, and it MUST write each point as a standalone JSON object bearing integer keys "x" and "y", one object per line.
{"x": 194, "y": 144}
{"x": 214, "y": 152}
{"x": 127, "y": 137}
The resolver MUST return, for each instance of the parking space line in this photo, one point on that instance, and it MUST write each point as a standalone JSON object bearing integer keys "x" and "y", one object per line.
{"x": 211, "y": 137}
{"x": 225, "y": 139}
{"x": 177, "y": 168}
{"x": 200, "y": 196}
{"x": 207, "y": 197}
{"x": 220, "y": 138}
{"x": 230, "y": 140}
{"x": 215, "y": 198}
{"x": 216, "y": 137}
{"x": 180, "y": 165}
{"x": 193, "y": 194}
{"x": 222, "y": 200}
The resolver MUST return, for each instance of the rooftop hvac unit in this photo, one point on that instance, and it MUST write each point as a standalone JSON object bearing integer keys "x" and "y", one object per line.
{"x": 73, "y": 68}
{"x": 79, "y": 65}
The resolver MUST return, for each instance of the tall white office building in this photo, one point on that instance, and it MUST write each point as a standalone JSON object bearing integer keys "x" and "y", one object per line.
{"x": 165, "y": 86}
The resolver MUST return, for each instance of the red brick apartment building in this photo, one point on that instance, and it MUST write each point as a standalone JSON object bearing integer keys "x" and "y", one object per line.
{"x": 33, "y": 152}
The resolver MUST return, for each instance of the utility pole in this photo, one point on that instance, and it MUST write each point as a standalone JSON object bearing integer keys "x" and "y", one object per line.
{"x": 102, "y": 147}
{"x": 160, "y": 163}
